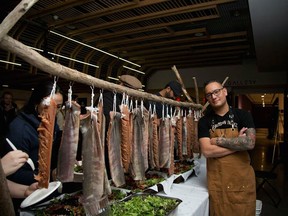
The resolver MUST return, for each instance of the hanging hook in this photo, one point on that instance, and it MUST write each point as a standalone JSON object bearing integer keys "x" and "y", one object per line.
{"x": 70, "y": 95}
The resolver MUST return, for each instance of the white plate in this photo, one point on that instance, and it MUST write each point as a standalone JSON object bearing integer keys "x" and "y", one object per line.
{"x": 40, "y": 194}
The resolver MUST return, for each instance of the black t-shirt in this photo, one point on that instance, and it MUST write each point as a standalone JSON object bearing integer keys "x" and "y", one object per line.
{"x": 237, "y": 117}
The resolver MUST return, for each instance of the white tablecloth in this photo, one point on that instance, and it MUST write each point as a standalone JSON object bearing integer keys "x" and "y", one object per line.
{"x": 193, "y": 193}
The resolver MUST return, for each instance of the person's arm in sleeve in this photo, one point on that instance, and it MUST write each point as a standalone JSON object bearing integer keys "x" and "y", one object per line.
{"x": 23, "y": 141}
{"x": 243, "y": 142}
{"x": 21, "y": 191}
{"x": 209, "y": 150}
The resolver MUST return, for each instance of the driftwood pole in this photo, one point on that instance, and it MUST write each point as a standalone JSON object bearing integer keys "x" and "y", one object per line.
{"x": 13, "y": 17}
{"x": 196, "y": 90}
{"x": 181, "y": 82}
{"x": 37, "y": 60}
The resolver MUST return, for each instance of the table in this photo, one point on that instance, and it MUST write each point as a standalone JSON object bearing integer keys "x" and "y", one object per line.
{"x": 193, "y": 193}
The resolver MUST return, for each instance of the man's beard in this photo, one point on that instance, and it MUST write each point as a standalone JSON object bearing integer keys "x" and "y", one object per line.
{"x": 168, "y": 96}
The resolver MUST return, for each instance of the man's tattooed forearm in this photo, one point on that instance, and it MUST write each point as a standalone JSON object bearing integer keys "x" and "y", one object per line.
{"x": 240, "y": 143}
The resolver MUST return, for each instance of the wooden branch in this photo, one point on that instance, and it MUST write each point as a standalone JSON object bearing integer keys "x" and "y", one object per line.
{"x": 44, "y": 64}
{"x": 196, "y": 90}
{"x": 207, "y": 103}
{"x": 14, "y": 16}
{"x": 182, "y": 84}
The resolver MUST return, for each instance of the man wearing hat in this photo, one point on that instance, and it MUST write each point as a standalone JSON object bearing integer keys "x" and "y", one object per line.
{"x": 172, "y": 90}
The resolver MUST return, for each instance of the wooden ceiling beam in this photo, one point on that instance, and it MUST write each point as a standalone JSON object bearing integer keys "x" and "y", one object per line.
{"x": 146, "y": 28}
{"x": 152, "y": 37}
{"x": 60, "y": 6}
{"x": 186, "y": 48}
{"x": 149, "y": 16}
{"x": 196, "y": 41}
{"x": 107, "y": 11}
{"x": 183, "y": 47}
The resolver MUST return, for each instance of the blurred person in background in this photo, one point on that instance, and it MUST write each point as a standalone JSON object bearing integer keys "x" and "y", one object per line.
{"x": 172, "y": 90}
{"x": 8, "y": 111}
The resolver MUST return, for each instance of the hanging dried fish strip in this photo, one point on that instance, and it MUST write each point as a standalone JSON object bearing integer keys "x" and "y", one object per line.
{"x": 179, "y": 131}
{"x": 45, "y": 130}
{"x": 164, "y": 143}
{"x": 189, "y": 122}
{"x": 94, "y": 187}
{"x": 69, "y": 143}
{"x": 137, "y": 169}
{"x": 172, "y": 144}
{"x": 153, "y": 143}
{"x": 184, "y": 137}
{"x": 145, "y": 141}
{"x": 101, "y": 124}
{"x": 126, "y": 137}
{"x": 114, "y": 149}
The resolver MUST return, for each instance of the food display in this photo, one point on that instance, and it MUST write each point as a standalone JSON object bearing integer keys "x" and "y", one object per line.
{"x": 116, "y": 195}
{"x": 64, "y": 205}
{"x": 140, "y": 160}
{"x": 78, "y": 168}
{"x": 69, "y": 204}
{"x": 183, "y": 166}
{"x": 184, "y": 169}
{"x": 138, "y": 186}
{"x": 145, "y": 204}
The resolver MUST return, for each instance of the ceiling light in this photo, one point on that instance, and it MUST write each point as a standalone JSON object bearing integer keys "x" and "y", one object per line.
{"x": 107, "y": 53}
{"x": 113, "y": 78}
{"x": 71, "y": 59}
{"x": 72, "y": 27}
{"x": 199, "y": 34}
{"x": 8, "y": 62}
{"x": 133, "y": 69}
{"x": 55, "y": 17}
{"x": 61, "y": 56}
{"x": 5, "y": 86}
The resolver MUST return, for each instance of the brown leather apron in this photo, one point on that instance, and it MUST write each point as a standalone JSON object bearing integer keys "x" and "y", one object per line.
{"x": 231, "y": 181}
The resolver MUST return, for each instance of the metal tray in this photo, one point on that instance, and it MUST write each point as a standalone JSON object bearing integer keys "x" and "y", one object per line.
{"x": 171, "y": 212}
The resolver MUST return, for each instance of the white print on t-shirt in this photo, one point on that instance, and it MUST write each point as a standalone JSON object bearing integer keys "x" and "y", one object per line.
{"x": 225, "y": 122}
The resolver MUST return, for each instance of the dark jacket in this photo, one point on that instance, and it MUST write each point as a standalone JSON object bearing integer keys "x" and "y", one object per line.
{"x": 24, "y": 135}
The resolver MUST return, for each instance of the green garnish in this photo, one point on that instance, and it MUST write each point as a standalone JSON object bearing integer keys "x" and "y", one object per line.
{"x": 78, "y": 169}
{"x": 147, "y": 205}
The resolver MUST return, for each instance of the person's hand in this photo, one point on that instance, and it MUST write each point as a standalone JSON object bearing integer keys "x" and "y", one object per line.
{"x": 242, "y": 132}
{"x": 13, "y": 160}
{"x": 30, "y": 189}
